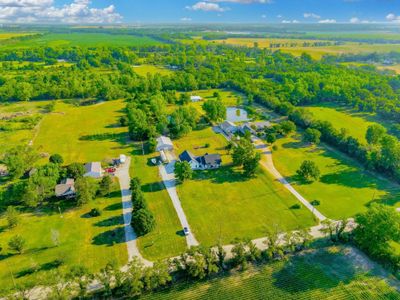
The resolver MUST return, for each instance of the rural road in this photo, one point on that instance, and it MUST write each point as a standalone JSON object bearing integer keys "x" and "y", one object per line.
{"x": 130, "y": 236}
{"x": 168, "y": 177}
{"x": 268, "y": 164}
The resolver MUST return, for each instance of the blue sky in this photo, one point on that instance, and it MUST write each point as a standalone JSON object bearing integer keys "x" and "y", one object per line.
{"x": 158, "y": 11}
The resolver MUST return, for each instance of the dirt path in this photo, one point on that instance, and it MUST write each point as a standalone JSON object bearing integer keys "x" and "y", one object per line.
{"x": 130, "y": 236}
{"x": 168, "y": 177}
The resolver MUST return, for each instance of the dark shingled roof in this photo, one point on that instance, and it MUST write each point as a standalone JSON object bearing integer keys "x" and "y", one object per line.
{"x": 210, "y": 159}
{"x": 187, "y": 156}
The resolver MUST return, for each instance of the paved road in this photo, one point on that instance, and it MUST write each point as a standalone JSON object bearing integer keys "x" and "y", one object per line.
{"x": 168, "y": 177}
{"x": 268, "y": 164}
{"x": 130, "y": 236}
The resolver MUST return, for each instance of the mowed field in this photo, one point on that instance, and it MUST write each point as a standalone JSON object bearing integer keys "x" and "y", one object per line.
{"x": 165, "y": 240}
{"x": 91, "y": 242}
{"x": 354, "y": 123}
{"x": 315, "y": 52}
{"x": 344, "y": 188}
{"x": 82, "y": 40}
{"x": 9, "y": 35}
{"x": 328, "y": 273}
{"x": 82, "y": 134}
{"x": 222, "y": 205}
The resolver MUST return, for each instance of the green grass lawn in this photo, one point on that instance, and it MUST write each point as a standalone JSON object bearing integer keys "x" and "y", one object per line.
{"x": 344, "y": 189}
{"x": 81, "y": 134}
{"x": 328, "y": 273}
{"x": 165, "y": 241}
{"x": 91, "y": 242}
{"x": 355, "y": 124}
{"x": 222, "y": 205}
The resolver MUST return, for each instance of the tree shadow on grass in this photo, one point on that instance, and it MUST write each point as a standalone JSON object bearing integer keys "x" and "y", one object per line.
{"x": 153, "y": 187}
{"x": 110, "y": 237}
{"x": 226, "y": 174}
{"x": 320, "y": 270}
{"x": 115, "y": 206}
{"x": 116, "y": 220}
{"x": 44, "y": 267}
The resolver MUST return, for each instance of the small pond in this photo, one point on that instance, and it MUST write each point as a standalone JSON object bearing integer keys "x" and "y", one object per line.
{"x": 235, "y": 114}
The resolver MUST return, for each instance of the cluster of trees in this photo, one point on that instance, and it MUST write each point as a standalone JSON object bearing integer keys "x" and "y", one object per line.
{"x": 33, "y": 184}
{"x": 245, "y": 155}
{"x": 148, "y": 117}
{"x": 143, "y": 220}
{"x": 215, "y": 109}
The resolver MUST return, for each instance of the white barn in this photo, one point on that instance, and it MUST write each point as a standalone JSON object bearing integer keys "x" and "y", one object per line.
{"x": 195, "y": 98}
{"x": 164, "y": 144}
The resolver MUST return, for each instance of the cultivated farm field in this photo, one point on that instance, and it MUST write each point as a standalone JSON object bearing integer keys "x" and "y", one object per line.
{"x": 328, "y": 273}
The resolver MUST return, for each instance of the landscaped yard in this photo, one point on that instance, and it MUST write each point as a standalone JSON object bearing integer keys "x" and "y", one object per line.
{"x": 165, "y": 240}
{"x": 344, "y": 188}
{"x": 92, "y": 242}
{"x": 328, "y": 273}
{"x": 86, "y": 133}
{"x": 222, "y": 205}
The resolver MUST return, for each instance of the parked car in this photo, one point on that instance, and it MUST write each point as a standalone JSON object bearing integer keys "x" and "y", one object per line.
{"x": 110, "y": 170}
{"x": 186, "y": 231}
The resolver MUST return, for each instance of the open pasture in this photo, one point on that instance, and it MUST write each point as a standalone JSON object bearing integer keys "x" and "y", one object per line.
{"x": 316, "y": 51}
{"x": 83, "y": 240}
{"x": 86, "y": 133}
{"x": 344, "y": 188}
{"x": 222, "y": 205}
{"x": 328, "y": 273}
{"x": 143, "y": 70}
{"x": 82, "y": 40}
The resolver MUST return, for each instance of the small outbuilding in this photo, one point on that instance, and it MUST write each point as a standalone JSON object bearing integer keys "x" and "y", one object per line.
{"x": 228, "y": 127}
{"x": 195, "y": 98}
{"x": 94, "y": 170}
{"x": 164, "y": 143}
{"x": 66, "y": 188}
{"x": 122, "y": 158}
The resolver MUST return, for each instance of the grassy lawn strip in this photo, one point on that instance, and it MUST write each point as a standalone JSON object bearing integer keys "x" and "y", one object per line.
{"x": 328, "y": 273}
{"x": 87, "y": 241}
{"x": 81, "y": 134}
{"x": 221, "y": 204}
{"x": 344, "y": 188}
{"x": 165, "y": 241}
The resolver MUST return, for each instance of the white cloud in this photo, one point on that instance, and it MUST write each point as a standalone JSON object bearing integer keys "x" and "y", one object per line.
{"x": 186, "y": 19}
{"x": 393, "y": 18}
{"x": 206, "y": 6}
{"x": 354, "y": 20}
{"x": 290, "y": 21}
{"x": 327, "y": 21}
{"x": 78, "y": 11}
{"x": 311, "y": 15}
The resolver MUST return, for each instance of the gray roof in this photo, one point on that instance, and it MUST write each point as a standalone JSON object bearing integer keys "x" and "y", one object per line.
{"x": 210, "y": 159}
{"x": 65, "y": 188}
{"x": 93, "y": 167}
{"x": 187, "y": 156}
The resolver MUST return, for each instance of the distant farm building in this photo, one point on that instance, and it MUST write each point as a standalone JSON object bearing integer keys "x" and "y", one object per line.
{"x": 164, "y": 144}
{"x": 195, "y": 98}
{"x": 93, "y": 170}
{"x": 66, "y": 188}
{"x": 228, "y": 127}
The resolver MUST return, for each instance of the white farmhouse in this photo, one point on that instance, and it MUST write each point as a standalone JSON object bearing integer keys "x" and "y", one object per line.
{"x": 93, "y": 170}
